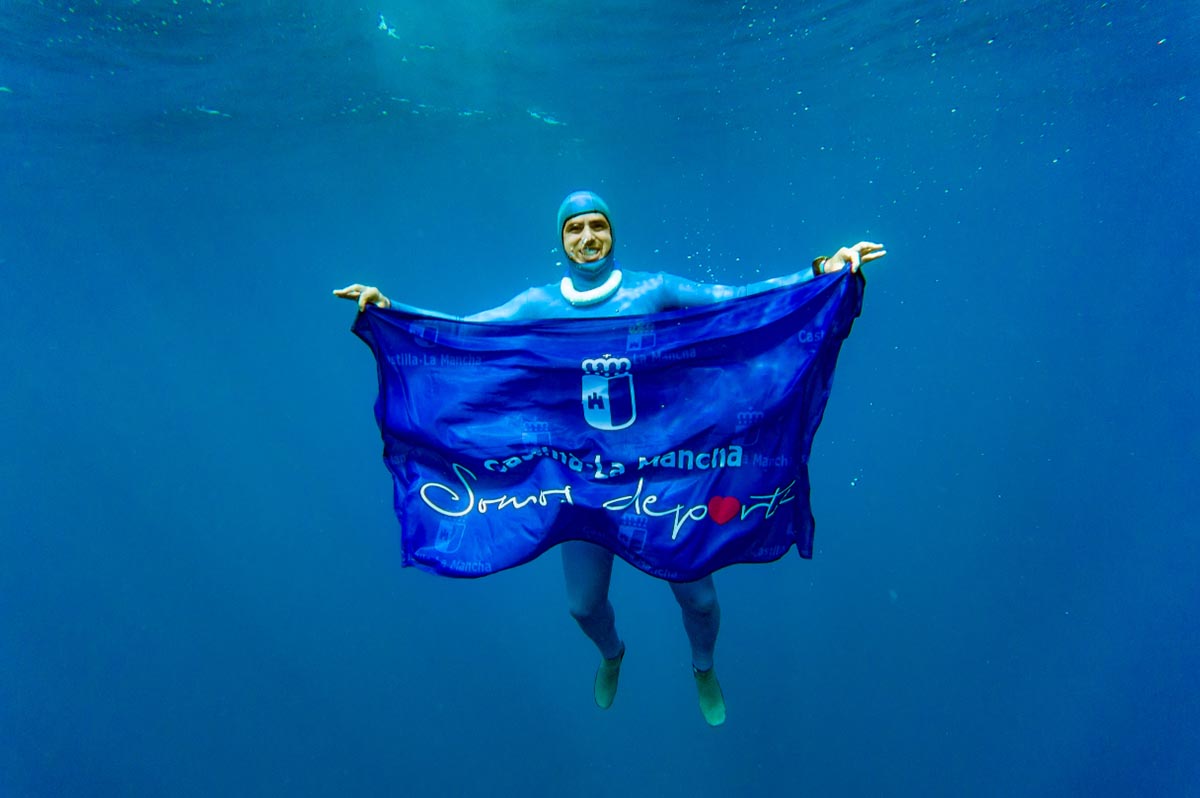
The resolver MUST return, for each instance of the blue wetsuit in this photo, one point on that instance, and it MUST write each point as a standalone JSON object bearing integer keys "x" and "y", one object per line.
{"x": 591, "y": 289}
{"x": 639, "y": 292}
{"x": 587, "y": 568}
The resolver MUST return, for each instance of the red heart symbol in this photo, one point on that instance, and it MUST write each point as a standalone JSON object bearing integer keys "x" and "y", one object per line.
{"x": 721, "y": 509}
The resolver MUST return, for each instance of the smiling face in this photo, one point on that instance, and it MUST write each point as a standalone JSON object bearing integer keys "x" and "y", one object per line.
{"x": 587, "y": 238}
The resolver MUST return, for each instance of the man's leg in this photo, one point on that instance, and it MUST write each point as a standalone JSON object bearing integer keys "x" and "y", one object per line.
{"x": 702, "y": 620}
{"x": 587, "y": 569}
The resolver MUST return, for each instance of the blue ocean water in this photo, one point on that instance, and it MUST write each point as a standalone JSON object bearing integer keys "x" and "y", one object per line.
{"x": 199, "y": 582}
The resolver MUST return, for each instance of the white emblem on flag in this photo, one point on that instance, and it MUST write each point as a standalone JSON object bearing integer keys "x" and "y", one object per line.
{"x": 608, "y": 400}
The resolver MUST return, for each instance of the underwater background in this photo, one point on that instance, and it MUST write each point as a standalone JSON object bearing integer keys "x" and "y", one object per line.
{"x": 200, "y": 590}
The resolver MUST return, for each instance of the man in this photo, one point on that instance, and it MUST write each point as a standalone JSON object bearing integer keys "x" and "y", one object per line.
{"x": 595, "y": 285}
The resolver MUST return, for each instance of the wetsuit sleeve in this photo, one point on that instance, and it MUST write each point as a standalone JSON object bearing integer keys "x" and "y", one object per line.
{"x": 522, "y": 307}
{"x": 681, "y": 293}
{"x": 437, "y": 314}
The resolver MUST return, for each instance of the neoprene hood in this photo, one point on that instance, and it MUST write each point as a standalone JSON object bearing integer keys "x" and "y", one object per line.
{"x": 578, "y": 202}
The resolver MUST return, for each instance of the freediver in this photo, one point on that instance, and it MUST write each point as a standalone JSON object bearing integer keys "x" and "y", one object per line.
{"x": 596, "y": 285}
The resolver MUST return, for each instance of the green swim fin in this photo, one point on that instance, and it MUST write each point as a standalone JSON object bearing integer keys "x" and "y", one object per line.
{"x": 606, "y": 680}
{"x": 712, "y": 701}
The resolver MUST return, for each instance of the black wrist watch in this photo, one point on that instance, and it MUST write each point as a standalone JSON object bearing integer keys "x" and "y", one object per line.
{"x": 819, "y": 265}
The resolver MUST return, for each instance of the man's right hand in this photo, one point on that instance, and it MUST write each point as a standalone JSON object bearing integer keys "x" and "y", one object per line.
{"x": 364, "y": 294}
{"x": 854, "y": 257}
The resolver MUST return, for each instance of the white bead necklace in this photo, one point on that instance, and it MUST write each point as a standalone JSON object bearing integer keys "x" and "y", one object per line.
{"x": 592, "y": 295}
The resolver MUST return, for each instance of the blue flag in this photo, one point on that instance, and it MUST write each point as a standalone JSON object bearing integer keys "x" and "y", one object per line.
{"x": 677, "y": 440}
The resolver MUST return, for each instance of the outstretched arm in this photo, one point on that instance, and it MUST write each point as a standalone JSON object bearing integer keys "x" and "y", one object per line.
{"x": 529, "y": 304}
{"x": 686, "y": 293}
{"x": 525, "y": 305}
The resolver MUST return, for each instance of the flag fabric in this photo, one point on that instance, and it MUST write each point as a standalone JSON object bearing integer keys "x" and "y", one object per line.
{"x": 677, "y": 440}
